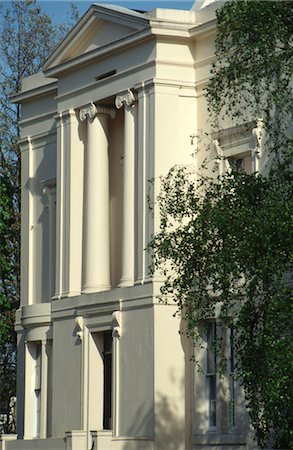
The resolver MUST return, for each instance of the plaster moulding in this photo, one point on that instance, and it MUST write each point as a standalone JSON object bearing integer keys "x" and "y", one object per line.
{"x": 117, "y": 323}
{"x": 79, "y": 327}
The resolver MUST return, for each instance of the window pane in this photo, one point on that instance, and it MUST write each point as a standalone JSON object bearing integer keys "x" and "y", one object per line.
{"x": 107, "y": 419}
{"x": 211, "y": 348}
{"x": 211, "y": 377}
{"x": 213, "y": 414}
{"x": 231, "y": 378}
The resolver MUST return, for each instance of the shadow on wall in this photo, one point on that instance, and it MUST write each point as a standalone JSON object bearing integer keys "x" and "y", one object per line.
{"x": 169, "y": 428}
{"x": 173, "y": 430}
{"x": 169, "y": 425}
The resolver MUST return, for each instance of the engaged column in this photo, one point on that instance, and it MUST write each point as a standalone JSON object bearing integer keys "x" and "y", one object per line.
{"x": 96, "y": 227}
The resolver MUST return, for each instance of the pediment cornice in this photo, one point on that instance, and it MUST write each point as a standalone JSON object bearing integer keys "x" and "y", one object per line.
{"x": 84, "y": 39}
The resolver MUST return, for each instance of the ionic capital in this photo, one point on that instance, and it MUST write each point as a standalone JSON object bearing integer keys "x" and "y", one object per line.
{"x": 125, "y": 98}
{"x": 88, "y": 111}
{"x": 92, "y": 110}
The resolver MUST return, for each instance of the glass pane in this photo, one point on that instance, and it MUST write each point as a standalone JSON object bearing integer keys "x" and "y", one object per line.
{"x": 212, "y": 387}
{"x": 211, "y": 348}
{"x": 231, "y": 345}
{"x": 107, "y": 416}
{"x": 212, "y": 414}
{"x": 212, "y": 399}
{"x": 231, "y": 401}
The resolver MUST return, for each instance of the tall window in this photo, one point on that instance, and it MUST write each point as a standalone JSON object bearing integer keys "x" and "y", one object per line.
{"x": 231, "y": 380}
{"x": 211, "y": 375}
{"x": 37, "y": 388}
{"x": 107, "y": 407}
{"x": 220, "y": 389}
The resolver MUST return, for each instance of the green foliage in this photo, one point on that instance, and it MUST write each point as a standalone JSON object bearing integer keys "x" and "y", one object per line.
{"x": 225, "y": 243}
{"x": 27, "y": 36}
{"x": 252, "y": 75}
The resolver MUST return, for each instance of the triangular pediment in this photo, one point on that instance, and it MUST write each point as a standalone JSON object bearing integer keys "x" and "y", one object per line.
{"x": 100, "y": 26}
{"x": 100, "y": 33}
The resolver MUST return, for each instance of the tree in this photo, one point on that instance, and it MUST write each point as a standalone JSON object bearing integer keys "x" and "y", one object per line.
{"x": 27, "y": 36}
{"x": 226, "y": 241}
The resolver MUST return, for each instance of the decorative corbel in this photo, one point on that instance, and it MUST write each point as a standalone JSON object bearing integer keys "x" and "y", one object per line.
{"x": 257, "y": 134}
{"x": 222, "y": 162}
{"x": 49, "y": 191}
{"x": 117, "y": 324}
{"x": 79, "y": 327}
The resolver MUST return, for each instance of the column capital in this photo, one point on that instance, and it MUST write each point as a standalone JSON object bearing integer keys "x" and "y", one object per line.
{"x": 125, "y": 98}
{"x": 92, "y": 110}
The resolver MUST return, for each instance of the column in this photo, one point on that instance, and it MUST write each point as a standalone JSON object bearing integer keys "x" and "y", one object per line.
{"x": 127, "y": 99}
{"x": 96, "y": 227}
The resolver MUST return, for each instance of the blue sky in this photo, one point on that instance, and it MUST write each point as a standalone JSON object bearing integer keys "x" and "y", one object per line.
{"x": 58, "y": 9}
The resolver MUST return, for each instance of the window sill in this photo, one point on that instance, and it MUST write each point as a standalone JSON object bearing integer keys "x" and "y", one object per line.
{"x": 219, "y": 438}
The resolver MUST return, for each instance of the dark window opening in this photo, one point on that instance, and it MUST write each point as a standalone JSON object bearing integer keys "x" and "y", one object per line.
{"x": 107, "y": 354}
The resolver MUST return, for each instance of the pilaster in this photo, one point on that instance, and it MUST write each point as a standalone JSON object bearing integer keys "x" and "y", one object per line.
{"x": 69, "y": 205}
{"x": 127, "y": 100}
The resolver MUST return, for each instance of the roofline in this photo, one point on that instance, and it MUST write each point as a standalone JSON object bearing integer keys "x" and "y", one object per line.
{"x": 101, "y": 52}
{"x": 203, "y": 28}
{"x": 104, "y": 14}
{"x": 35, "y": 92}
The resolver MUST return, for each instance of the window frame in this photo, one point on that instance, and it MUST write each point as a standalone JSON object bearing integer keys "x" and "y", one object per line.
{"x": 240, "y": 141}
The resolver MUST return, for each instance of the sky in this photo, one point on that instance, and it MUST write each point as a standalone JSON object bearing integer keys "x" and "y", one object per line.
{"x": 58, "y": 9}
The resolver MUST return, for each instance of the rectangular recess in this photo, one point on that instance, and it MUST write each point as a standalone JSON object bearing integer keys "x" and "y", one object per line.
{"x": 106, "y": 75}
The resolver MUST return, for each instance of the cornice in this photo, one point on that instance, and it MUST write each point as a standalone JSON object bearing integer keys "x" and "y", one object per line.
{"x": 171, "y": 30}
{"x": 202, "y": 30}
{"x": 102, "y": 52}
{"x": 41, "y": 91}
{"x": 156, "y": 30}
{"x": 112, "y": 14}
{"x": 119, "y": 76}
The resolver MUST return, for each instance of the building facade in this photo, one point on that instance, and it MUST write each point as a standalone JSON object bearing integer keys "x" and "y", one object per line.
{"x": 101, "y": 362}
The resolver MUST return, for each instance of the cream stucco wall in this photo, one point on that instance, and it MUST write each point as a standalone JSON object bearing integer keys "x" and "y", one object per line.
{"x": 160, "y": 64}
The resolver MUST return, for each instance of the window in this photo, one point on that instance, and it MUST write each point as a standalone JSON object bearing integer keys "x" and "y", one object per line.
{"x": 100, "y": 382}
{"x": 211, "y": 375}
{"x": 220, "y": 388}
{"x": 107, "y": 402}
{"x": 231, "y": 378}
{"x": 239, "y": 148}
{"x": 241, "y": 163}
